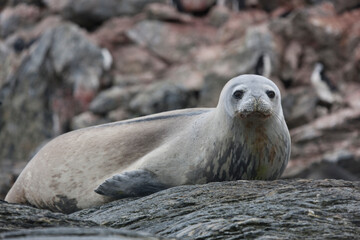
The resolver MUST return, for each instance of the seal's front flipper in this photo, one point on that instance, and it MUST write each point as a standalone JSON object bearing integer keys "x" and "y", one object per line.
{"x": 135, "y": 183}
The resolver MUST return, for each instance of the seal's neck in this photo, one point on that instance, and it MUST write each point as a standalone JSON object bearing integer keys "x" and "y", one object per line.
{"x": 250, "y": 148}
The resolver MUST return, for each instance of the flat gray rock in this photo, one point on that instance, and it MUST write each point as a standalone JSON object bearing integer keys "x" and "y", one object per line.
{"x": 282, "y": 209}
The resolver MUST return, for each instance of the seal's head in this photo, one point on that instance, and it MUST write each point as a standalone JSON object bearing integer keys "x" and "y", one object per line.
{"x": 251, "y": 96}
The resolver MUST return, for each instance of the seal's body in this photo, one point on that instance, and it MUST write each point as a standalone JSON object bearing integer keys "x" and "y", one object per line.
{"x": 244, "y": 137}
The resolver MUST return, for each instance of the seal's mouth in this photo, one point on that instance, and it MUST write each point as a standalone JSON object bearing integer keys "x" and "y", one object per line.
{"x": 254, "y": 114}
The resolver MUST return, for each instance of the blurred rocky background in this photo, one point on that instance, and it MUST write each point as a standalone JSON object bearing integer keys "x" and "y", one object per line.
{"x": 66, "y": 65}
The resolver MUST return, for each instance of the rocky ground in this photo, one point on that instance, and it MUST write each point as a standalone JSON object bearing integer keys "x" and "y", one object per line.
{"x": 67, "y": 64}
{"x": 283, "y": 209}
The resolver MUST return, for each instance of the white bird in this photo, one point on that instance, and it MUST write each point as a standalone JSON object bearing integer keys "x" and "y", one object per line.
{"x": 263, "y": 66}
{"x": 325, "y": 89}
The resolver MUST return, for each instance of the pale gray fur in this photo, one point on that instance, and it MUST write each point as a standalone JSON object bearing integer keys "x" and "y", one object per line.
{"x": 239, "y": 139}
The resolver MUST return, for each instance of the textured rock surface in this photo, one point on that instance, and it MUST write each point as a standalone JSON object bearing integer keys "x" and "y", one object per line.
{"x": 230, "y": 210}
{"x": 78, "y": 233}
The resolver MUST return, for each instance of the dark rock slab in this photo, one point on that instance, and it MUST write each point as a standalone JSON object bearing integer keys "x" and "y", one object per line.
{"x": 77, "y": 233}
{"x": 161, "y": 97}
{"x": 89, "y": 13}
{"x": 14, "y": 217}
{"x": 244, "y": 209}
{"x": 282, "y": 209}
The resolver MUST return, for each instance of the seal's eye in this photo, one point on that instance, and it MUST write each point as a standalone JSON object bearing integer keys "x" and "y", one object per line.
{"x": 238, "y": 94}
{"x": 271, "y": 94}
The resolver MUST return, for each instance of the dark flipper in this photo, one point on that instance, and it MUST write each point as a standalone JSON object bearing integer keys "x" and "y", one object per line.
{"x": 135, "y": 183}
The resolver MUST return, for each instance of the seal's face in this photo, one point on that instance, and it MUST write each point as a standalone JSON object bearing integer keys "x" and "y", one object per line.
{"x": 252, "y": 96}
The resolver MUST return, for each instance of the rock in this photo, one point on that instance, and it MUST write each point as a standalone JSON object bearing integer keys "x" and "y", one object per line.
{"x": 7, "y": 61}
{"x": 329, "y": 134}
{"x": 3, "y": 4}
{"x": 23, "y": 39}
{"x": 299, "y": 106}
{"x": 161, "y": 97}
{"x": 188, "y": 76}
{"x": 79, "y": 233}
{"x": 16, "y": 217}
{"x": 171, "y": 42}
{"x": 21, "y": 16}
{"x": 291, "y": 62}
{"x": 86, "y": 119}
{"x": 210, "y": 92}
{"x": 326, "y": 170}
{"x": 112, "y": 98}
{"x": 90, "y": 13}
{"x": 38, "y": 3}
{"x": 123, "y": 80}
{"x": 237, "y": 24}
{"x": 136, "y": 60}
{"x": 194, "y": 6}
{"x": 218, "y": 16}
{"x": 270, "y": 6}
{"x": 162, "y": 12}
{"x": 8, "y": 174}
{"x": 118, "y": 115}
{"x": 240, "y": 209}
{"x": 55, "y": 6}
{"x": 113, "y": 33}
{"x": 51, "y": 86}
{"x": 342, "y": 6}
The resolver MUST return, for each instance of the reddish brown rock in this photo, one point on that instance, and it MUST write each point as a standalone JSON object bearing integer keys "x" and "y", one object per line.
{"x": 112, "y": 34}
{"x": 132, "y": 59}
{"x": 171, "y": 42}
{"x": 238, "y": 23}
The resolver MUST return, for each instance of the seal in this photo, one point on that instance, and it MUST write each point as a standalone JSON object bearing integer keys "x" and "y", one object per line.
{"x": 244, "y": 137}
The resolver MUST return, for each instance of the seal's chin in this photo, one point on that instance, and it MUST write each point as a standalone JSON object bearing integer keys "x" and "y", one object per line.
{"x": 253, "y": 114}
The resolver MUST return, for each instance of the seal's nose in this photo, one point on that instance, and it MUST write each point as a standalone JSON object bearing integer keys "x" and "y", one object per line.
{"x": 256, "y": 102}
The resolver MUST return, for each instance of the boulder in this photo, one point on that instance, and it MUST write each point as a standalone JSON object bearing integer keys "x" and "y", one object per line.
{"x": 79, "y": 233}
{"x": 327, "y": 138}
{"x": 218, "y": 16}
{"x": 299, "y": 106}
{"x": 194, "y": 6}
{"x": 90, "y": 13}
{"x": 187, "y": 75}
{"x": 236, "y": 26}
{"x": 110, "y": 99}
{"x": 163, "y": 12}
{"x": 281, "y": 209}
{"x": 112, "y": 33}
{"x": 21, "y": 16}
{"x": 161, "y": 97}
{"x": 132, "y": 79}
{"x": 169, "y": 41}
{"x": 132, "y": 59}
{"x": 51, "y": 86}
{"x": 86, "y": 119}
{"x": 38, "y": 3}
